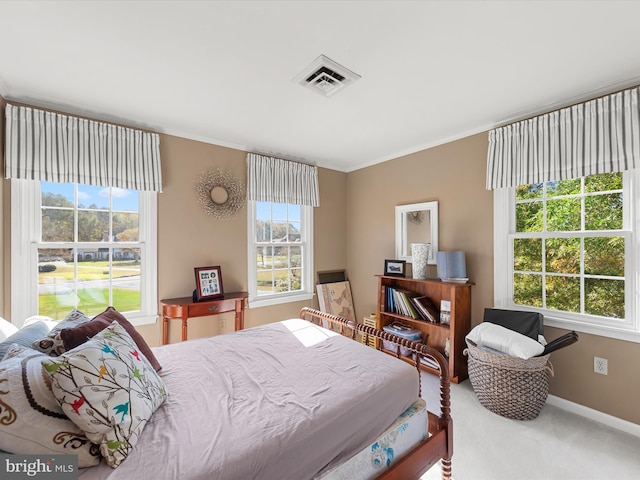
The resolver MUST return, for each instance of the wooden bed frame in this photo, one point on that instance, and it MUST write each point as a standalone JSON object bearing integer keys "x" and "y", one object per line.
{"x": 439, "y": 442}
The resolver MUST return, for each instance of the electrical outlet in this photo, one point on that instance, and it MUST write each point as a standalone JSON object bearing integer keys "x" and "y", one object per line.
{"x": 221, "y": 325}
{"x": 600, "y": 365}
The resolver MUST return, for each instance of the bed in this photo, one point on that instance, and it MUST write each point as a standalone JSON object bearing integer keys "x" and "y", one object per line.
{"x": 297, "y": 399}
{"x": 437, "y": 444}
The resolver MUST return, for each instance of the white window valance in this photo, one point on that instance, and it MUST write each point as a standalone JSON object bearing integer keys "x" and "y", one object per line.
{"x": 42, "y": 145}
{"x": 281, "y": 181}
{"x": 598, "y": 136}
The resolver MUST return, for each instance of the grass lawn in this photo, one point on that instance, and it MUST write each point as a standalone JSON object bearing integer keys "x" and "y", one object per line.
{"x": 91, "y": 301}
{"x": 266, "y": 283}
{"x": 91, "y": 271}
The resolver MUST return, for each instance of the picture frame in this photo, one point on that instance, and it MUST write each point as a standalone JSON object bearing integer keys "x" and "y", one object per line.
{"x": 395, "y": 268}
{"x": 332, "y": 276}
{"x": 208, "y": 283}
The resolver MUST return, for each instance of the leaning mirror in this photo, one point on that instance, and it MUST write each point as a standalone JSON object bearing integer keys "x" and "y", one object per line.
{"x": 416, "y": 223}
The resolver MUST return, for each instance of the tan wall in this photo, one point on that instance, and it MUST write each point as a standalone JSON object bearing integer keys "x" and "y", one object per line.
{"x": 188, "y": 237}
{"x": 616, "y": 393}
{"x": 452, "y": 174}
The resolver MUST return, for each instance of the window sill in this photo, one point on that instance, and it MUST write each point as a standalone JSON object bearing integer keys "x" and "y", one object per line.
{"x": 618, "y": 333}
{"x": 141, "y": 319}
{"x": 257, "y": 302}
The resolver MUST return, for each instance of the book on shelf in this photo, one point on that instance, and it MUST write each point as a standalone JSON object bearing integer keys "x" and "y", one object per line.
{"x": 390, "y": 303}
{"x": 399, "y": 301}
{"x": 429, "y": 362}
{"x": 405, "y": 307}
{"x": 426, "y": 308}
{"x": 399, "y": 308}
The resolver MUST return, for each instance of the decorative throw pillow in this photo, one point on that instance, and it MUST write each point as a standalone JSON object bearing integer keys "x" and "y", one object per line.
{"x": 31, "y": 420}
{"x": 72, "y": 337}
{"x": 6, "y": 329}
{"x": 25, "y": 336}
{"x": 504, "y": 340}
{"x": 52, "y": 344}
{"x": 109, "y": 389}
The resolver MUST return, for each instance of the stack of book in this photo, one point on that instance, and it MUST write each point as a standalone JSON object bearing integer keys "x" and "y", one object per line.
{"x": 411, "y": 304}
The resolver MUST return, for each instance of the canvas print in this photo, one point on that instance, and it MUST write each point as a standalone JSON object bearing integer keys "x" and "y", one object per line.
{"x": 335, "y": 298}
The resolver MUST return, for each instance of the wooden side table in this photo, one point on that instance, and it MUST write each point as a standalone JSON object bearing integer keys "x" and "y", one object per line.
{"x": 184, "y": 308}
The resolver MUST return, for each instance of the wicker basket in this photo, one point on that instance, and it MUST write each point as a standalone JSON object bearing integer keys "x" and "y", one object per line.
{"x": 509, "y": 386}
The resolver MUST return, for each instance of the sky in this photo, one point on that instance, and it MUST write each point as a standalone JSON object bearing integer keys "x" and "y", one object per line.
{"x": 279, "y": 211}
{"x": 122, "y": 200}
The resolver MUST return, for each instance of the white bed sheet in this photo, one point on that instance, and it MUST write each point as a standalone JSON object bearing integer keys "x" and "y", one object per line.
{"x": 280, "y": 401}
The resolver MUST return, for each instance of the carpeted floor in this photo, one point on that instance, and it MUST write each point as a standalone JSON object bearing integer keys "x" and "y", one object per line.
{"x": 558, "y": 445}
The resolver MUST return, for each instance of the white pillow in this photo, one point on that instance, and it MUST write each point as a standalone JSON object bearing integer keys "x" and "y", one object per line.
{"x": 48, "y": 321}
{"x": 6, "y": 329}
{"x": 504, "y": 340}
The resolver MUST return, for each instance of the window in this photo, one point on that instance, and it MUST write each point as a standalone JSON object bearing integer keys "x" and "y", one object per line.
{"x": 83, "y": 246}
{"x": 567, "y": 249}
{"x": 280, "y": 253}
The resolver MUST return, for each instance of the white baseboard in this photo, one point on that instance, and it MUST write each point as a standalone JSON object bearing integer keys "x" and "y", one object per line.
{"x": 595, "y": 415}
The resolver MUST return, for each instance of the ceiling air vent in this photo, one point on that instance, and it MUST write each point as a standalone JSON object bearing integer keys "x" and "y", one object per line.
{"x": 326, "y": 77}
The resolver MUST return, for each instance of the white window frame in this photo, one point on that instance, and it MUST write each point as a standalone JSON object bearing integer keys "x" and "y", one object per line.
{"x": 306, "y": 242}
{"x": 504, "y": 225}
{"x": 25, "y": 233}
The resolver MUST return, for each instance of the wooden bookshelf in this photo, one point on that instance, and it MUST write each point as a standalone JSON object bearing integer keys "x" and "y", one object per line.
{"x": 436, "y": 334}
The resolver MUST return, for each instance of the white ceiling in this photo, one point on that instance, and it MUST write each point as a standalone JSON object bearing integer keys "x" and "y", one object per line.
{"x": 221, "y": 71}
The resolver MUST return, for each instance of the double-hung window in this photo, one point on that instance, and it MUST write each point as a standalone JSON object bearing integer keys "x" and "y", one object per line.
{"x": 281, "y": 196}
{"x": 85, "y": 247}
{"x": 280, "y": 252}
{"x": 566, "y": 215}
{"x": 83, "y": 216}
{"x": 567, "y": 249}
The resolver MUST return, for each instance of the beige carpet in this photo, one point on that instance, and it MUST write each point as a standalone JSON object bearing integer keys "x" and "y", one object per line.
{"x": 558, "y": 445}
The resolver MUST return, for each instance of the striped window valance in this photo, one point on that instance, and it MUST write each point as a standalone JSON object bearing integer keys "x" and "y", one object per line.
{"x": 281, "y": 181}
{"x": 42, "y": 145}
{"x": 598, "y": 136}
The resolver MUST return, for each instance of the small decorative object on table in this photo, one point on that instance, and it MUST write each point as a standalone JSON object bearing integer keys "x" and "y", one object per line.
{"x": 395, "y": 268}
{"x": 445, "y": 312}
{"x": 452, "y": 266}
{"x": 208, "y": 283}
{"x": 419, "y": 257}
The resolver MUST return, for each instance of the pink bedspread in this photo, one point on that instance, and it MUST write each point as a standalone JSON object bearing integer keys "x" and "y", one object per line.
{"x": 276, "y": 402}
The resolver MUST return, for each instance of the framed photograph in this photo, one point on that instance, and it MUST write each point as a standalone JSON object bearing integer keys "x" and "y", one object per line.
{"x": 208, "y": 283}
{"x": 395, "y": 268}
{"x": 445, "y": 312}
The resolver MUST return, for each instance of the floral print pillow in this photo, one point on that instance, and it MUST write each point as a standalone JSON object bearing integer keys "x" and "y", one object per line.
{"x": 108, "y": 388}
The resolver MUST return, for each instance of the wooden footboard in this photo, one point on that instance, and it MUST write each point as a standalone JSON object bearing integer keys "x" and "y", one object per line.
{"x": 439, "y": 443}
